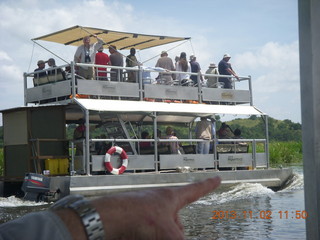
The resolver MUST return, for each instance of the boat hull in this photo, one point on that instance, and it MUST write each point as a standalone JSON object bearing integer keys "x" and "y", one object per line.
{"x": 95, "y": 185}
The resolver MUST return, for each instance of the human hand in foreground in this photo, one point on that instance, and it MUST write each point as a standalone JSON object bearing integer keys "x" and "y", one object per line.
{"x": 149, "y": 214}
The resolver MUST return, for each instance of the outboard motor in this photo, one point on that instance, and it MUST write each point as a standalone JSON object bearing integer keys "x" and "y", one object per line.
{"x": 36, "y": 187}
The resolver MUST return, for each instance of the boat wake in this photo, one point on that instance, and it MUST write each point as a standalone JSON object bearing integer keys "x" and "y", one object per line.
{"x": 238, "y": 192}
{"x": 295, "y": 183}
{"x": 17, "y": 202}
{"x": 247, "y": 191}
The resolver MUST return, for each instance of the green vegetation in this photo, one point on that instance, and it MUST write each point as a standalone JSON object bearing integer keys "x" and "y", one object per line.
{"x": 283, "y": 152}
{"x": 254, "y": 127}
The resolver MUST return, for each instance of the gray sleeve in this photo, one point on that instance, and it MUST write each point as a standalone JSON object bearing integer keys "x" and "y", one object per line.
{"x": 39, "y": 225}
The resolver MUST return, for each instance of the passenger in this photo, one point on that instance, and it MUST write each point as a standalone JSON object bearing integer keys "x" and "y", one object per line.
{"x": 174, "y": 146}
{"x": 237, "y": 133}
{"x": 183, "y": 66}
{"x": 166, "y": 63}
{"x": 212, "y": 82}
{"x": 226, "y": 69}
{"x": 204, "y": 131}
{"x": 145, "y": 135}
{"x": 41, "y": 66}
{"x": 79, "y": 134}
{"x": 86, "y": 53}
{"x": 102, "y": 59}
{"x": 116, "y": 59}
{"x": 42, "y": 77}
{"x": 57, "y": 74}
{"x": 176, "y": 59}
{"x": 136, "y": 215}
{"x": 225, "y": 132}
{"x": 131, "y": 61}
{"x": 195, "y": 68}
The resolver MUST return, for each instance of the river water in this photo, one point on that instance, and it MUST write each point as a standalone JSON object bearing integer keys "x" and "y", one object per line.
{"x": 243, "y": 211}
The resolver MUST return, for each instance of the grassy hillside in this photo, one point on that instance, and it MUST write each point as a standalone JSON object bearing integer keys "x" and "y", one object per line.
{"x": 279, "y": 130}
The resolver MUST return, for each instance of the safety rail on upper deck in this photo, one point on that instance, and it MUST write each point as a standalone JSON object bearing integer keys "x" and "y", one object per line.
{"x": 42, "y": 87}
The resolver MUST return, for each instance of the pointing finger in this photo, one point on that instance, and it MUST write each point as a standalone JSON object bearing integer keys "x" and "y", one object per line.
{"x": 192, "y": 192}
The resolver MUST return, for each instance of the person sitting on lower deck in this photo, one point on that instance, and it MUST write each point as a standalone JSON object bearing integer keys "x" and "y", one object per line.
{"x": 145, "y": 135}
{"x": 225, "y": 132}
{"x": 174, "y": 146}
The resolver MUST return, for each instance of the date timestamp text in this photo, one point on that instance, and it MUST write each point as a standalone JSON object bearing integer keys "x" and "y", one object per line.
{"x": 262, "y": 214}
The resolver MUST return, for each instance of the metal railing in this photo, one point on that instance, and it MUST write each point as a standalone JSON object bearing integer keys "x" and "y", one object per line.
{"x": 37, "y": 89}
{"x": 232, "y": 147}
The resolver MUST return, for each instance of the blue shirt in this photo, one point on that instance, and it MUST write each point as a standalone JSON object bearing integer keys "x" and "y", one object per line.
{"x": 223, "y": 66}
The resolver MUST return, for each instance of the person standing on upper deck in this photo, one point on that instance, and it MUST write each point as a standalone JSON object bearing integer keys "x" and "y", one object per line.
{"x": 116, "y": 59}
{"x": 212, "y": 82}
{"x": 195, "y": 68}
{"x": 165, "y": 62}
{"x": 54, "y": 71}
{"x": 102, "y": 59}
{"x": 41, "y": 66}
{"x": 183, "y": 66}
{"x": 226, "y": 69}
{"x": 86, "y": 53}
{"x": 131, "y": 61}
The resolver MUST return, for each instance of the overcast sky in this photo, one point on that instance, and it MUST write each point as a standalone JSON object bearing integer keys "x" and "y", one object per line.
{"x": 260, "y": 35}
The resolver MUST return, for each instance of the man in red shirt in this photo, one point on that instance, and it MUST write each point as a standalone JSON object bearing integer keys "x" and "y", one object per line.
{"x": 102, "y": 59}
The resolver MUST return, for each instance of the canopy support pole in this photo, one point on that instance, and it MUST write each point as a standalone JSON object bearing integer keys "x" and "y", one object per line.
{"x": 50, "y": 51}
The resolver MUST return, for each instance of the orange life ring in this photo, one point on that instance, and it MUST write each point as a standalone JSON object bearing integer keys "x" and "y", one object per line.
{"x": 123, "y": 156}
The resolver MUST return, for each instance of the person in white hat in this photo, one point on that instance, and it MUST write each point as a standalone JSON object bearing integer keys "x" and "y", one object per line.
{"x": 225, "y": 68}
{"x": 212, "y": 82}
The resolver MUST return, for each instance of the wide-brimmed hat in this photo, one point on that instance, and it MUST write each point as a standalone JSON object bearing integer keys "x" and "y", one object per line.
{"x": 212, "y": 65}
{"x": 164, "y": 52}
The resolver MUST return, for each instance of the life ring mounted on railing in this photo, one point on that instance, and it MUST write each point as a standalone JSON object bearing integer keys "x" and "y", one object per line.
{"x": 123, "y": 156}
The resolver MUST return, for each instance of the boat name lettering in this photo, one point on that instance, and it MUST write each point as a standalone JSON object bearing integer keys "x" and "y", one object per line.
{"x": 226, "y": 95}
{"x": 235, "y": 159}
{"x": 108, "y": 86}
{"x": 186, "y": 159}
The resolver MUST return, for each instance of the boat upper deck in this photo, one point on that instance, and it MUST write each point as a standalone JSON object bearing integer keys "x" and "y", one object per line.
{"x": 41, "y": 87}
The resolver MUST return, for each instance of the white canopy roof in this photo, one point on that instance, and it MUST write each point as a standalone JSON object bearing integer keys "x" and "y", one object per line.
{"x": 121, "y": 107}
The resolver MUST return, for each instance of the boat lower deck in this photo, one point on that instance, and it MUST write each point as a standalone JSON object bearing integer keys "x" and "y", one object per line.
{"x": 102, "y": 184}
